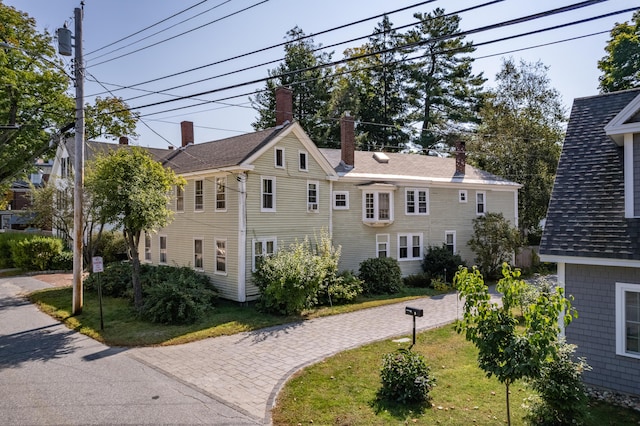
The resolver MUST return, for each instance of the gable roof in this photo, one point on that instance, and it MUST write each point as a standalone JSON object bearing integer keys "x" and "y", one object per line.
{"x": 95, "y": 148}
{"x": 586, "y": 216}
{"x": 410, "y": 167}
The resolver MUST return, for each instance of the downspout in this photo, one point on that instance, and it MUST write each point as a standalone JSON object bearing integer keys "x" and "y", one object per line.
{"x": 242, "y": 237}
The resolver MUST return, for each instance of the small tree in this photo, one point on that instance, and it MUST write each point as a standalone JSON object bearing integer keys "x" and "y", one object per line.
{"x": 441, "y": 262}
{"x": 507, "y": 349}
{"x": 131, "y": 190}
{"x": 494, "y": 241}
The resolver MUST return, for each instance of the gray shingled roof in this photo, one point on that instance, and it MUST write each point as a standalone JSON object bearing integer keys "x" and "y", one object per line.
{"x": 221, "y": 153}
{"x": 586, "y": 211}
{"x": 94, "y": 148}
{"x": 410, "y": 166}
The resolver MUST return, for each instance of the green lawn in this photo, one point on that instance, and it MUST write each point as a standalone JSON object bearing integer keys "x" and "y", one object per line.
{"x": 341, "y": 390}
{"x": 122, "y": 327}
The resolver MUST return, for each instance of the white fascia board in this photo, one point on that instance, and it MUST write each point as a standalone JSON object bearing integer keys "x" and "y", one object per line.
{"x": 617, "y": 127}
{"x": 216, "y": 171}
{"x": 430, "y": 181}
{"x": 593, "y": 261}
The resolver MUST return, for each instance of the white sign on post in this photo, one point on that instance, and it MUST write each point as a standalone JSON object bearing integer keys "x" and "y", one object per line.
{"x": 97, "y": 264}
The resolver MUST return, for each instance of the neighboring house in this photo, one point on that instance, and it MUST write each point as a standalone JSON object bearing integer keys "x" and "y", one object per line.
{"x": 19, "y": 198}
{"x": 592, "y": 231}
{"x": 250, "y": 195}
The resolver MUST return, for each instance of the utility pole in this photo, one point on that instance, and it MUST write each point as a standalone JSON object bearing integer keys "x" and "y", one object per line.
{"x": 78, "y": 166}
{"x": 78, "y": 163}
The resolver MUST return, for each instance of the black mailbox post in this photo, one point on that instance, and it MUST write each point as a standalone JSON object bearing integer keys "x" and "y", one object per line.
{"x": 414, "y": 312}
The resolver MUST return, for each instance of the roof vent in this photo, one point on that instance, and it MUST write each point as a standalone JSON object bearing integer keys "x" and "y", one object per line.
{"x": 381, "y": 157}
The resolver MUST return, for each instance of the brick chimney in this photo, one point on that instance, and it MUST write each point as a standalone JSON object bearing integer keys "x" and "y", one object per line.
{"x": 186, "y": 128}
{"x": 284, "y": 105}
{"x": 123, "y": 140}
{"x": 461, "y": 157}
{"x": 347, "y": 139}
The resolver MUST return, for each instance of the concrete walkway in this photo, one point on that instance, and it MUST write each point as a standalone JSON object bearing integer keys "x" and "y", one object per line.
{"x": 248, "y": 370}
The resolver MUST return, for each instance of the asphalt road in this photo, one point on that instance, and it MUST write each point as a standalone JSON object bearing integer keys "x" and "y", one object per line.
{"x": 50, "y": 375}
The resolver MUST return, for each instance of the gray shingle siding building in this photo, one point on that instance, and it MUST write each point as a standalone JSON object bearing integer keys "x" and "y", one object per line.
{"x": 593, "y": 233}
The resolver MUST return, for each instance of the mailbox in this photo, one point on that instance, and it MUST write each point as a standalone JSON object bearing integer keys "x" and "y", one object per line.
{"x": 413, "y": 311}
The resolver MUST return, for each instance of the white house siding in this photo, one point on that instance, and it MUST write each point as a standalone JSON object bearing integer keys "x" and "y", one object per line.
{"x": 446, "y": 213}
{"x": 291, "y": 221}
{"x": 208, "y": 225}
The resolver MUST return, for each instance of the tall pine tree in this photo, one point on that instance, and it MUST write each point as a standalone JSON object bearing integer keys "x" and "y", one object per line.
{"x": 444, "y": 94}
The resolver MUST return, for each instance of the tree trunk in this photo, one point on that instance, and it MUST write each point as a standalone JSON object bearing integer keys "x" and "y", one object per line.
{"x": 133, "y": 239}
{"x": 506, "y": 384}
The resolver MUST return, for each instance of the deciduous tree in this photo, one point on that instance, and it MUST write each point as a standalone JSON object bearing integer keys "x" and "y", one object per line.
{"x": 621, "y": 65}
{"x": 507, "y": 348}
{"x": 131, "y": 190}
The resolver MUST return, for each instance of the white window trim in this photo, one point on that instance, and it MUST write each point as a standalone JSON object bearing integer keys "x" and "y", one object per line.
{"x": 264, "y": 241}
{"x": 484, "y": 202}
{"x": 446, "y": 233}
{"x": 273, "y": 186}
{"x": 621, "y": 288}
{"x": 376, "y": 209}
{"x": 415, "y": 191}
{"x": 463, "y": 196}
{"x": 195, "y": 196}
{"x": 215, "y": 194}
{"x": 179, "y": 189}
{"x": 226, "y": 256}
{"x": 166, "y": 250}
{"x": 410, "y": 246}
{"x": 306, "y": 161}
{"x": 313, "y": 207}
{"x": 275, "y": 158}
{"x": 147, "y": 248}
{"x": 194, "y": 253}
{"x": 382, "y": 239}
{"x": 346, "y": 199}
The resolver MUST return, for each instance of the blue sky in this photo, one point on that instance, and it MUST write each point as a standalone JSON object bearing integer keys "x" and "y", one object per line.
{"x": 227, "y": 31}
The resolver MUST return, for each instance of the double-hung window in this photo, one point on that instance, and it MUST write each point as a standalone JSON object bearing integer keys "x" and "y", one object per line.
{"x": 409, "y": 246}
{"x": 262, "y": 247}
{"x": 302, "y": 155}
{"x": 628, "y": 319}
{"x": 163, "y": 249}
{"x": 179, "y": 199}
{"x": 198, "y": 260}
{"x": 382, "y": 245}
{"x": 450, "y": 241}
{"x": 312, "y": 196}
{"x": 221, "y": 256}
{"x": 462, "y": 196}
{"x": 221, "y": 194}
{"x": 341, "y": 200}
{"x": 481, "y": 203}
{"x": 279, "y": 158}
{"x": 199, "y": 196}
{"x": 147, "y": 247}
{"x": 417, "y": 201}
{"x": 268, "y": 194}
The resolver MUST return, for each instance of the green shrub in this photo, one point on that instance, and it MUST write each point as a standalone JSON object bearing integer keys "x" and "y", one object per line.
{"x": 406, "y": 378}
{"x": 440, "y": 262}
{"x": 35, "y": 254}
{"x": 112, "y": 247}
{"x": 6, "y": 238}
{"x": 179, "y": 296}
{"x": 421, "y": 280}
{"x": 562, "y": 399}
{"x": 439, "y": 284}
{"x": 381, "y": 275}
{"x": 115, "y": 280}
{"x": 62, "y": 261}
{"x": 339, "y": 289}
{"x": 289, "y": 280}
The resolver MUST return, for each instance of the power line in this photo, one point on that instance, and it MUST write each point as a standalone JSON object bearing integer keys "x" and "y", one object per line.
{"x": 149, "y": 27}
{"x": 181, "y": 34}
